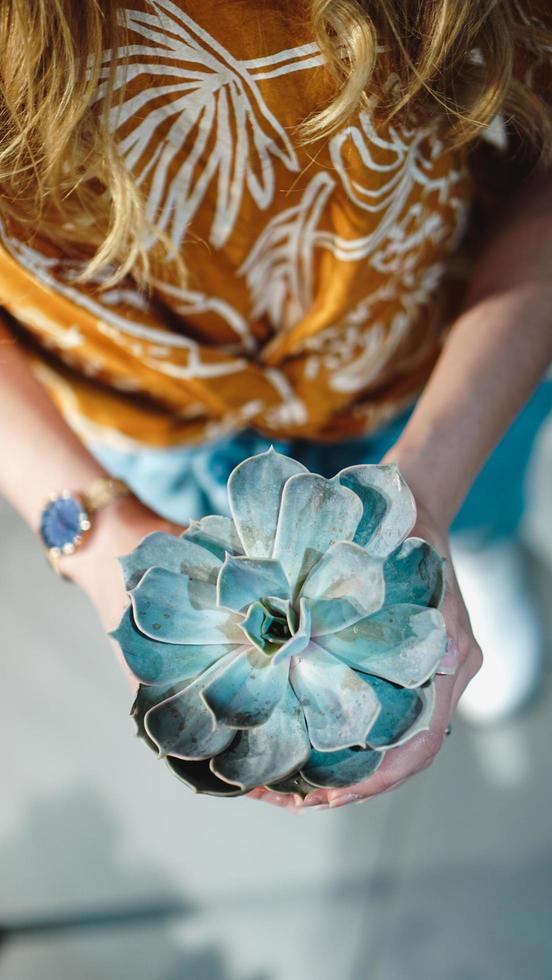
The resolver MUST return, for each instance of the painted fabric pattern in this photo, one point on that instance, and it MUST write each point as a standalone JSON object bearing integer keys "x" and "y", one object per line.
{"x": 319, "y": 277}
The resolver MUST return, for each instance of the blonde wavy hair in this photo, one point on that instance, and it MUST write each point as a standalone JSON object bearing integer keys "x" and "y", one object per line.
{"x": 454, "y": 61}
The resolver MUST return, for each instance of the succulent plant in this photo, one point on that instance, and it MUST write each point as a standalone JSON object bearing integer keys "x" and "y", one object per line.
{"x": 292, "y": 644}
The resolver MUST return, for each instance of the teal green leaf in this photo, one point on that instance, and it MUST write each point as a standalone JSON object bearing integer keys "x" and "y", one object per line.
{"x": 414, "y": 573}
{"x": 254, "y": 493}
{"x": 147, "y": 696}
{"x": 171, "y": 553}
{"x": 345, "y": 585}
{"x": 403, "y": 644}
{"x": 165, "y": 609}
{"x": 268, "y": 752}
{"x": 389, "y": 509}
{"x": 335, "y": 770}
{"x": 340, "y": 706}
{"x": 300, "y": 639}
{"x": 243, "y": 580}
{"x": 400, "y": 708}
{"x": 215, "y": 533}
{"x": 183, "y": 726}
{"x": 248, "y": 691}
{"x": 153, "y": 662}
{"x": 198, "y": 777}
{"x": 314, "y": 514}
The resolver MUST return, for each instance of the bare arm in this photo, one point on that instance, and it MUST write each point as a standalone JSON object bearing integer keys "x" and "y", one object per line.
{"x": 40, "y": 454}
{"x": 497, "y": 352}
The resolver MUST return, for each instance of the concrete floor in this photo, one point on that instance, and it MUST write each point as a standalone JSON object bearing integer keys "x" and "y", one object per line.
{"x": 111, "y": 870}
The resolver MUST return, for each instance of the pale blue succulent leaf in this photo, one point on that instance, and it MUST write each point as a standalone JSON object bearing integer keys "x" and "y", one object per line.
{"x": 423, "y": 720}
{"x": 314, "y": 514}
{"x": 400, "y": 709}
{"x": 202, "y": 595}
{"x": 253, "y": 626}
{"x": 300, "y": 639}
{"x": 166, "y": 608}
{"x": 248, "y": 691}
{"x": 153, "y": 662}
{"x": 279, "y": 604}
{"x": 414, "y": 572}
{"x": 268, "y": 752}
{"x": 389, "y": 508}
{"x": 198, "y": 777}
{"x": 331, "y": 615}
{"x": 340, "y": 706}
{"x": 171, "y": 553}
{"x": 215, "y": 533}
{"x": 295, "y": 783}
{"x": 147, "y": 696}
{"x": 183, "y": 726}
{"x": 335, "y": 770}
{"x": 343, "y": 587}
{"x": 402, "y": 644}
{"x": 346, "y": 570}
{"x": 254, "y": 493}
{"x": 244, "y": 580}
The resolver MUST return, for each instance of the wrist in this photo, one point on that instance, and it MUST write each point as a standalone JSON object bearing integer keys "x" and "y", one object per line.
{"x": 117, "y": 529}
{"x": 437, "y": 489}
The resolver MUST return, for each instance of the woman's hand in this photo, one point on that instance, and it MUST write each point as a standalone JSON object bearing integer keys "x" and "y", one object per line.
{"x": 463, "y": 653}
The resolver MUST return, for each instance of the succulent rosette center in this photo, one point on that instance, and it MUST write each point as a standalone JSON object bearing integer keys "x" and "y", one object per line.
{"x": 270, "y": 623}
{"x": 291, "y": 644}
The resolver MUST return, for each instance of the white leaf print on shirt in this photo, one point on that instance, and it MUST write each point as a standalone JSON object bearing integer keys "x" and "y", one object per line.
{"x": 280, "y": 268}
{"x": 212, "y": 125}
{"x": 130, "y": 334}
{"x": 187, "y": 302}
{"x": 358, "y": 348}
{"x": 393, "y": 165}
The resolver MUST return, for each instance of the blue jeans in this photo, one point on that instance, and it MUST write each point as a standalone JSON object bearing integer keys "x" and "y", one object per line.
{"x": 184, "y": 482}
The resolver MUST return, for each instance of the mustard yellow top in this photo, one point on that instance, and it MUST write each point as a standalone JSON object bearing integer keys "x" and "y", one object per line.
{"x": 319, "y": 276}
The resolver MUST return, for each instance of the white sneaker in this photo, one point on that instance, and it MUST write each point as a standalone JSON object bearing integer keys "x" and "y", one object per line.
{"x": 505, "y": 622}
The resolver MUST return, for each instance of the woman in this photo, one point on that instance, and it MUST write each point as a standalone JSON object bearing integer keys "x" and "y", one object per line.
{"x": 225, "y": 225}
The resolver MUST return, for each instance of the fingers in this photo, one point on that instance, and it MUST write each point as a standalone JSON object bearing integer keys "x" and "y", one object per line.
{"x": 471, "y": 665}
{"x": 460, "y": 632}
{"x": 287, "y": 801}
{"x": 412, "y": 757}
{"x": 399, "y": 764}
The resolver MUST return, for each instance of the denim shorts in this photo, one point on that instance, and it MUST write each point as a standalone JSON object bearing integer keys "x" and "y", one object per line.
{"x": 187, "y": 482}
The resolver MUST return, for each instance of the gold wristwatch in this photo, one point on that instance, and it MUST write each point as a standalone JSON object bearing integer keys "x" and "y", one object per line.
{"x": 67, "y": 518}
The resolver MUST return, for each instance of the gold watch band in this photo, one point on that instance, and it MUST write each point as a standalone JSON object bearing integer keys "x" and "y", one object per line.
{"x": 104, "y": 491}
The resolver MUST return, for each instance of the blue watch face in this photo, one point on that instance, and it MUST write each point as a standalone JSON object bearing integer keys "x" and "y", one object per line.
{"x": 62, "y": 520}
